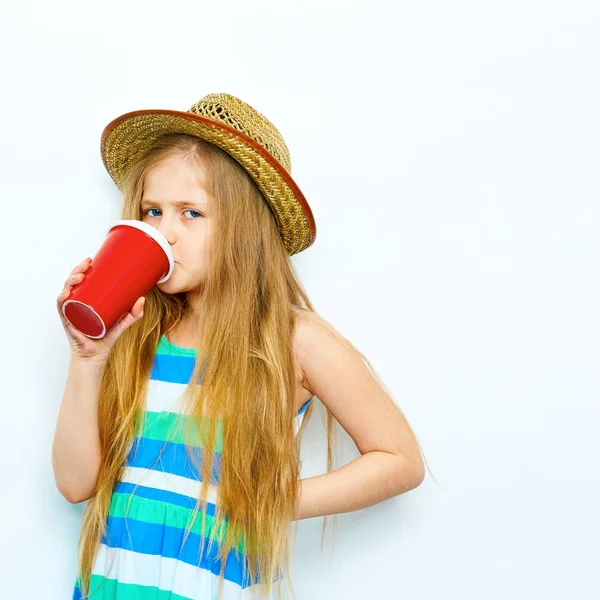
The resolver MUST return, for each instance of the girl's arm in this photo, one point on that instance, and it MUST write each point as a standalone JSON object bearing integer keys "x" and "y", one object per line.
{"x": 369, "y": 479}
{"x": 76, "y": 447}
{"x": 390, "y": 461}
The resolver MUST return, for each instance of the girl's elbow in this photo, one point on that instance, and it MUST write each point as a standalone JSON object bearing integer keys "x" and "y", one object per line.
{"x": 74, "y": 496}
{"x": 419, "y": 477}
{"x": 412, "y": 474}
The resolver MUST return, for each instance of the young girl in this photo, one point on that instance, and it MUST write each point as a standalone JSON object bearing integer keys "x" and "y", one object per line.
{"x": 181, "y": 426}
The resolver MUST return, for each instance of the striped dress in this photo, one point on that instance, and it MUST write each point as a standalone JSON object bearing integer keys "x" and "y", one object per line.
{"x": 141, "y": 554}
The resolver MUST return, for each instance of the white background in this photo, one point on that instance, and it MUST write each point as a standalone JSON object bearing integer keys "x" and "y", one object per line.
{"x": 450, "y": 152}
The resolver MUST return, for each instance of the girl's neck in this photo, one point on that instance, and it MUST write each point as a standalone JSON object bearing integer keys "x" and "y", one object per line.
{"x": 184, "y": 335}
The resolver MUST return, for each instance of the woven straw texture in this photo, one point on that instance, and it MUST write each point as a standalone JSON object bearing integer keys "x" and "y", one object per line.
{"x": 238, "y": 129}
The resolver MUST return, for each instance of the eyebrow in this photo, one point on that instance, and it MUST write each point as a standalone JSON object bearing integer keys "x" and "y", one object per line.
{"x": 177, "y": 204}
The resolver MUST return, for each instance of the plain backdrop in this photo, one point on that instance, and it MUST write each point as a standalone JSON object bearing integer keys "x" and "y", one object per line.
{"x": 450, "y": 153}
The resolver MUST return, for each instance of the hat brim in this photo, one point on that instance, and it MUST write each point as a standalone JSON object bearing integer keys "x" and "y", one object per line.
{"x": 125, "y": 140}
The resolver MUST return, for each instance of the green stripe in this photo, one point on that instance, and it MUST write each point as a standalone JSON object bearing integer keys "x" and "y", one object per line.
{"x": 171, "y": 515}
{"x": 170, "y": 427}
{"x": 166, "y": 347}
{"x": 100, "y": 587}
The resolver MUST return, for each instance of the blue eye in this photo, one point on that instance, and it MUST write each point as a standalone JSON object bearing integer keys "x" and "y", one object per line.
{"x": 147, "y": 212}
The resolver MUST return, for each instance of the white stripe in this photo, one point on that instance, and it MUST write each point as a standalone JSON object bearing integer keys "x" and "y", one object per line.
{"x": 167, "y": 481}
{"x": 169, "y": 397}
{"x": 167, "y": 574}
{"x": 165, "y": 396}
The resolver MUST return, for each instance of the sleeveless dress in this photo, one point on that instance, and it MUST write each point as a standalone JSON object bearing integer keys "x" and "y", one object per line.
{"x": 141, "y": 553}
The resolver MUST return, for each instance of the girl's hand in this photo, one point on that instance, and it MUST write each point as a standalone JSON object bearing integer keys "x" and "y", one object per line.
{"x": 82, "y": 347}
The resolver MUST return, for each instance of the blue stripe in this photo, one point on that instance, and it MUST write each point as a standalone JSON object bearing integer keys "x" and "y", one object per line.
{"x": 174, "y": 369}
{"x": 304, "y": 407}
{"x": 142, "y": 491}
{"x": 170, "y": 457}
{"x": 179, "y": 369}
{"x": 164, "y": 540}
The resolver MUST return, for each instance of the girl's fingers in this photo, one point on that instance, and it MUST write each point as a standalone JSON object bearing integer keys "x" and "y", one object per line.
{"x": 140, "y": 307}
{"x": 118, "y": 329}
{"x": 129, "y": 319}
{"x": 82, "y": 266}
{"x": 75, "y": 277}
{"x": 61, "y": 298}
{"x": 137, "y": 310}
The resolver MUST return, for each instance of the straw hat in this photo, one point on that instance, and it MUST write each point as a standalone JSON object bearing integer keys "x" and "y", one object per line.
{"x": 238, "y": 129}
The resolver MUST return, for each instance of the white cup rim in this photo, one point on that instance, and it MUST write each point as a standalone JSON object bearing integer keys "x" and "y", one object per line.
{"x": 155, "y": 235}
{"x": 94, "y": 337}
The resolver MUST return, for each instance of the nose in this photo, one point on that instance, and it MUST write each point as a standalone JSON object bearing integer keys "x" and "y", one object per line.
{"x": 167, "y": 228}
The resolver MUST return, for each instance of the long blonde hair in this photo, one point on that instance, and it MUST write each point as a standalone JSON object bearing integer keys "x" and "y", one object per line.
{"x": 245, "y": 365}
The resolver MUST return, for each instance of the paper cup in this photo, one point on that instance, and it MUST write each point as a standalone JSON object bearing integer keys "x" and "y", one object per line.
{"x": 133, "y": 258}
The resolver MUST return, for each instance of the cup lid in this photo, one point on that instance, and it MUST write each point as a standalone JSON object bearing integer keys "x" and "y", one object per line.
{"x": 160, "y": 239}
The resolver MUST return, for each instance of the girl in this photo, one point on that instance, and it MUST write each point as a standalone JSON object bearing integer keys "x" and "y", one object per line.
{"x": 181, "y": 426}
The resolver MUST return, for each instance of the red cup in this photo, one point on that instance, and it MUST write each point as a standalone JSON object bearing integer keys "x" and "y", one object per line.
{"x": 133, "y": 258}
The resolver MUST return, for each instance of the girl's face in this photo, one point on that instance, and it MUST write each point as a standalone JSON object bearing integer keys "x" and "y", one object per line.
{"x": 176, "y": 203}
